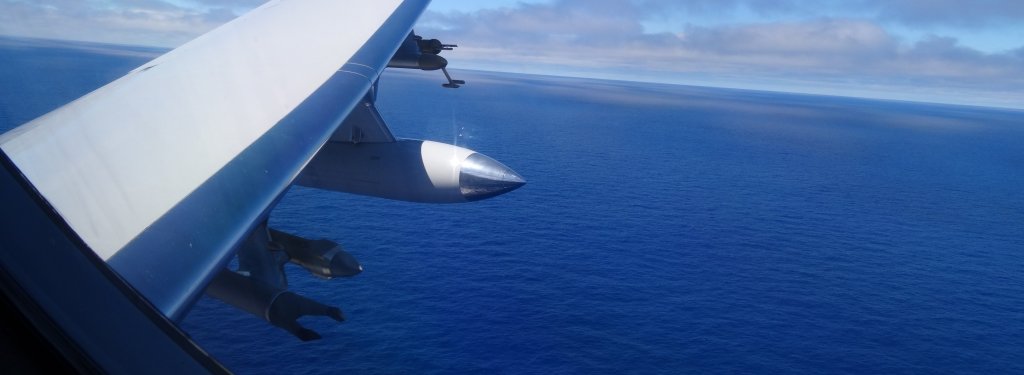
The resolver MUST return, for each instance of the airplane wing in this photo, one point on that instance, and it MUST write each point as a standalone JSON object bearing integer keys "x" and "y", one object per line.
{"x": 158, "y": 179}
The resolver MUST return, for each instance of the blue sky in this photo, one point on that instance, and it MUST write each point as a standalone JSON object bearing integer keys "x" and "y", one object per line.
{"x": 968, "y": 52}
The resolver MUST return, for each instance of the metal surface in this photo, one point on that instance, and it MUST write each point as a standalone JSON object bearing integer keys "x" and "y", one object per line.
{"x": 481, "y": 177}
{"x": 175, "y": 257}
{"x": 277, "y": 306}
{"x": 364, "y": 124}
{"x": 89, "y": 315}
{"x": 323, "y": 258}
{"x": 116, "y": 160}
{"x": 409, "y": 170}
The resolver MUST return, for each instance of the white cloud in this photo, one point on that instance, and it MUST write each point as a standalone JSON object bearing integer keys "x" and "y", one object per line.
{"x": 850, "y": 54}
{"x": 847, "y": 45}
{"x": 141, "y": 22}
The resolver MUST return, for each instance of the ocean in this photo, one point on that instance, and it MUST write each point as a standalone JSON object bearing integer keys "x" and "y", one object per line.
{"x": 664, "y": 229}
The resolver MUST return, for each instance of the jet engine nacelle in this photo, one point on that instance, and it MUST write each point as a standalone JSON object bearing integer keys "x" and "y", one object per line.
{"x": 409, "y": 170}
{"x": 324, "y": 259}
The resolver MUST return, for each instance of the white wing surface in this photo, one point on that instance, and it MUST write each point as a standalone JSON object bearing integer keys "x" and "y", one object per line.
{"x": 164, "y": 172}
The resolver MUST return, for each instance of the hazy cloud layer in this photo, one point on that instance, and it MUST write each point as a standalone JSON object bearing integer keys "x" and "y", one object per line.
{"x": 975, "y": 13}
{"x": 846, "y": 46}
{"x": 849, "y": 54}
{"x": 945, "y": 12}
{"x": 141, "y": 22}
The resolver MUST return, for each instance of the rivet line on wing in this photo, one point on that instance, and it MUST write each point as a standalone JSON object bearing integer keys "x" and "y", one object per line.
{"x": 355, "y": 73}
{"x": 361, "y": 70}
{"x": 362, "y": 65}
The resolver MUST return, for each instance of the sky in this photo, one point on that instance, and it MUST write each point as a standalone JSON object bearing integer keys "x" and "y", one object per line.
{"x": 950, "y": 51}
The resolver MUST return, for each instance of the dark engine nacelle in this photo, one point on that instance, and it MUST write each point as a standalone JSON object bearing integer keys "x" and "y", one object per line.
{"x": 322, "y": 258}
{"x": 260, "y": 288}
{"x": 418, "y": 53}
{"x": 275, "y": 305}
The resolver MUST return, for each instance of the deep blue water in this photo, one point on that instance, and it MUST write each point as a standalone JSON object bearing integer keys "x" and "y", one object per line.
{"x": 664, "y": 229}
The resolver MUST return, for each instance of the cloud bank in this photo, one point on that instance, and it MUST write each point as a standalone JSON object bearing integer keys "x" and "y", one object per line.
{"x": 138, "y": 22}
{"x": 902, "y": 49}
{"x": 849, "y": 50}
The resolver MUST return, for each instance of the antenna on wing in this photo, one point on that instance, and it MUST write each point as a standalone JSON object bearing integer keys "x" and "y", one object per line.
{"x": 418, "y": 53}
